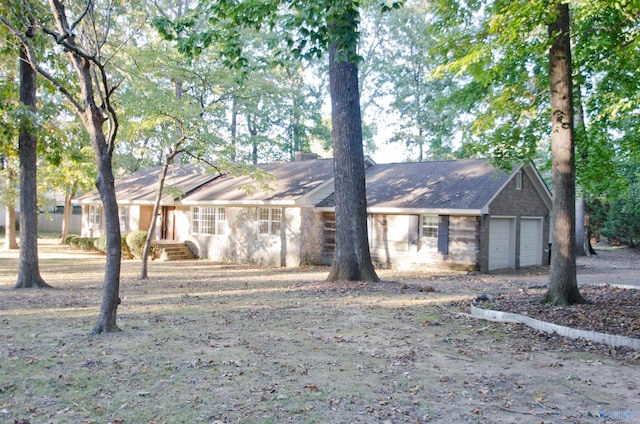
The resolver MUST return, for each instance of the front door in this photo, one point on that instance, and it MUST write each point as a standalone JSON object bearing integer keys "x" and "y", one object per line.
{"x": 168, "y": 223}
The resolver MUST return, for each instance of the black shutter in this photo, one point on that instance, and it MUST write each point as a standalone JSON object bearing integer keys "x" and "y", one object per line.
{"x": 443, "y": 234}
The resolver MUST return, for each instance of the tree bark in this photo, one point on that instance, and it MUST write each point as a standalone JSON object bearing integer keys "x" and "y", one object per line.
{"x": 69, "y": 194}
{"x": 583, "y": 239}
{"x": 10, "y": 242}
{"x": 352, "y": 259}
{"x": 105, "y": 183}
{"x": 580, "y": 231}
{"x": 28, "y": 268}
{"x": 94, "y": 117}
{"x": 234, "y": 129}
{"x": 563, "y": 284}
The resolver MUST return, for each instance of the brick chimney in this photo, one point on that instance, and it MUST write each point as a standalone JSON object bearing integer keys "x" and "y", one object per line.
{"x": 302, "y": 156}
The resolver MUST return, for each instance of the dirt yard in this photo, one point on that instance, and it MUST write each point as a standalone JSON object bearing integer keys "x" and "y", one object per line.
{"x": 212, "y": 343}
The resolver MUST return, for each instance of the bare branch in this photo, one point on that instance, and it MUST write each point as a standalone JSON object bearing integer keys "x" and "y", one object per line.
{"x": 81, "y": 17}
{"x": 71, "y": 46}
{"x": 198, "y": 158}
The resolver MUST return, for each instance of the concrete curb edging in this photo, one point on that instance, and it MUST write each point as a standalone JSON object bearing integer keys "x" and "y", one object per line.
{"x": 547, "y": 327}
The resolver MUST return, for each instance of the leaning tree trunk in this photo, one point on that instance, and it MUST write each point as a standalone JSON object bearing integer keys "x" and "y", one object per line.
{"x": 352, "y": 260}
{"x": 563, "y": 284}
{"x": 28, "y": 268}
{"x": 154, "y": 215}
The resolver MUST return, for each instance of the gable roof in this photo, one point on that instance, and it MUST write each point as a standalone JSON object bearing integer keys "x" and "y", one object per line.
{"x": 462, "y": 186}
{"x": 292, "y": 182}
{"x": 141, "y": 186}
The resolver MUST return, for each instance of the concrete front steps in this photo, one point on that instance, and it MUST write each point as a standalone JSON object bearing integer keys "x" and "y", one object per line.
{"x": 169, "y": 250}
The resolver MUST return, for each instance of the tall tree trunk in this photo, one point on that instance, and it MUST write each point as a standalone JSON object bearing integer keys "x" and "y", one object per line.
{"x": 579, "y": 228}
{"x": 352, "y": 259}
{"x": 94, "y": 117}
{"x": 105, "y": 183}
{"x": 29, "y": 268}
{"x": 234, "y": 129}
{"x": 253, "y": 132}
{"x": 583, "y": 239}
{"x": 563, "y": 284}
{"x": 67, "y": 211}
{"x": 10, "y": 242}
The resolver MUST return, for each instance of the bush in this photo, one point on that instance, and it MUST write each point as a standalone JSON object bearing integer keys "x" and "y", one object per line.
{"x": 67, "y": 239}
{"x": 100, "y": 244}
{"x": 623, "y": 221}
{"x": 75, "y": 242}
{"x": 85, "y": 243}
{"x": 126, "y": 252}
{"x": 135, "y": 241}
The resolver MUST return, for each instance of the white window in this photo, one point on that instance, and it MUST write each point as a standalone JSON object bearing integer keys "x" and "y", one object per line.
{"x": 208, "y": 220}
{"x": 429, "y": 232}
{"x": 123, "y": 216}
{"x": 95, "y": 217}
{"x": 269, "y": 220}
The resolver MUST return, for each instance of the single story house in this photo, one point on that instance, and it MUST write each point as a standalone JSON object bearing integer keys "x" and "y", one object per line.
{"x": 462, "y": 214}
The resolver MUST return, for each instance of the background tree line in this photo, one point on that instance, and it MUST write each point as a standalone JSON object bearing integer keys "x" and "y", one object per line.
{"x": 441, "y": 98}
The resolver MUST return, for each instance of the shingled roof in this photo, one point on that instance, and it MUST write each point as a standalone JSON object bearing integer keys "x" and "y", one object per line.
{"x": 439, "y": 185}
{"x": 141, "y": 186}
{"x": 291, "y": 181}
{"x": 463, "y": 186}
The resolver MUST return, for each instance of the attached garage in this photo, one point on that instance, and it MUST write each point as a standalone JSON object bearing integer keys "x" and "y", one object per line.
{"x": 501, "y": 243}
{"x": 530, "y": 242}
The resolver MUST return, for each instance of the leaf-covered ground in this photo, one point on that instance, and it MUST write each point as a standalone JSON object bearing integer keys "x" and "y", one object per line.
{"x": 608, "y": 309}
{"x": 213, "y": 343}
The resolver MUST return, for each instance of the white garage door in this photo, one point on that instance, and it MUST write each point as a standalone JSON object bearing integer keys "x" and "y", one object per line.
{"x": 501, "y": 251}
{"x": 530, "y": 242}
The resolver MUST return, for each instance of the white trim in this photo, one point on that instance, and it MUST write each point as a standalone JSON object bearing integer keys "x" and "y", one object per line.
{"x": 214, "y": 222}
{"x": 269, "y": 221}
{"x": 301, "y": 200}
{"x": 243, "y": 203}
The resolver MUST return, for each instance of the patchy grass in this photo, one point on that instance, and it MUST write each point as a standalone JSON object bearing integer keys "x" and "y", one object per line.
{"x": 205, "y": 342}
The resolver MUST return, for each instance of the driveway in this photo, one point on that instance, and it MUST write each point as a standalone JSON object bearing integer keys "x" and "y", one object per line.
{"x": 618, "y": 266}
